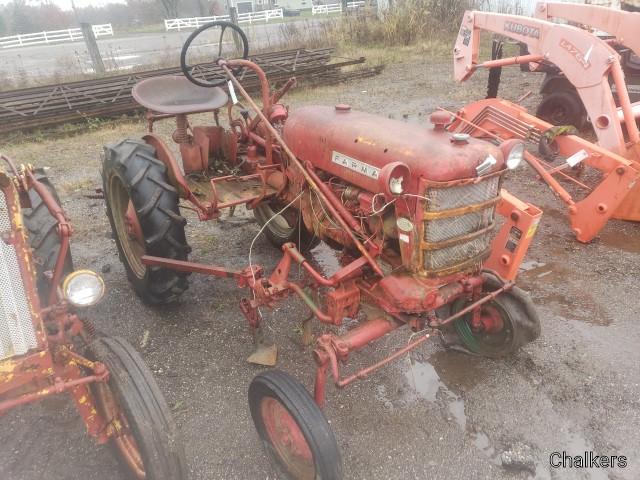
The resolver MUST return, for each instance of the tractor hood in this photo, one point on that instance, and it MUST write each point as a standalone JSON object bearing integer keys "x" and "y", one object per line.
{"x": 356, "y": 146}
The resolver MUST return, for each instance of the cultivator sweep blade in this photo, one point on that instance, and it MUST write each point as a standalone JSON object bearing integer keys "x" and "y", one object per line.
{"x": 266, "y": 355}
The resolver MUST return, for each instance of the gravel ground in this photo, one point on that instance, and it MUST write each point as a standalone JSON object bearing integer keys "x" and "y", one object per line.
{"x": 437, "y": 414}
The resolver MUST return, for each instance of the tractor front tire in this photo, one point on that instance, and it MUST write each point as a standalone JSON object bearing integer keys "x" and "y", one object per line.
{"x": 562, "y": 107}
{"x": 43, "y": 236}
{"x": 292, "y": 428}
{"x": 142, "y": 207}
{"x": 516, "y": 312}
{"x": 146, "y": 438}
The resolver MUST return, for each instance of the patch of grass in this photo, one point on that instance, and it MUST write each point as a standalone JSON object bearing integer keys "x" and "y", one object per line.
{"x": 77, "y": 185}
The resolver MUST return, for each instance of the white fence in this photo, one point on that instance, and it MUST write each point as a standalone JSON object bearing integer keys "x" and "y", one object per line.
{"x": 53, "y": 36}
{"x": 333, "y": 8}
{"x": 195, "y": 22}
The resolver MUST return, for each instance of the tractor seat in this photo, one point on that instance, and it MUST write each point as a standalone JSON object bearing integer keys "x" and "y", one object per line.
{"x": 176, "y": 95}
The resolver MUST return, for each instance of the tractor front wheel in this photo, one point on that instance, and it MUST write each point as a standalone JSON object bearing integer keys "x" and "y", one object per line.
{"x": 293, "y": 429}
{"x": 563, "y": 107}
{"x": 142, "y": 207}
{"x": 144, "y": 434}
{"x": 506, "y": 323}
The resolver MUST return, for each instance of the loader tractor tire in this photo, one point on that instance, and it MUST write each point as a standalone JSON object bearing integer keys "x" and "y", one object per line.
{"x": 513, "y": 317}
{"x": 142, "y": 207}
{"x": 43, "y": 236}
{"x": 562, "y": 107}
{"x": 284, "y": 227}
{"x": 145, "y": 436}
{"x": 293, "y": 429}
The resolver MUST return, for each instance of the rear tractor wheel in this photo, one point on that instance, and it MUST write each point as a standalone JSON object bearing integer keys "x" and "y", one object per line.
{"x": 43, "y": 236}
{"x": 145, "y": 437}
{"x": 284, "y": 227}
{"x": 506, "y": 323}
{"x": 142, "y": 207}
{"x": 292, "y": 428}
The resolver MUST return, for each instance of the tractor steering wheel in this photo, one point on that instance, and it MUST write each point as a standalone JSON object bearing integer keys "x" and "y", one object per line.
{"x": 187, "y": 70}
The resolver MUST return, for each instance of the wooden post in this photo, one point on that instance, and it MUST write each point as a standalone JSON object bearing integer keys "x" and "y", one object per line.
{"x": 92, "y": 47}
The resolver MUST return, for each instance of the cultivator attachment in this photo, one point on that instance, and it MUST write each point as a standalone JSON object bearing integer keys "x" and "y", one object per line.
{"x": 264, "y": 354}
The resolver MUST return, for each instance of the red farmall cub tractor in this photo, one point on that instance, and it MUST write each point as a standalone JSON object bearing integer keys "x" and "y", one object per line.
{"x": 411, "y": 209}
{"x": 47, "y": 349}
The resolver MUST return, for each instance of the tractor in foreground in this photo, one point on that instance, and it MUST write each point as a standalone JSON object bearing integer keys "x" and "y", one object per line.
{"x": 47, "y": 348}
{"x": 428, "y": 240}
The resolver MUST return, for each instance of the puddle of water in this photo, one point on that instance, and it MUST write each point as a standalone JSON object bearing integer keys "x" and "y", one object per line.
{"x": 326, "y": 259}
{"x": 548, "y": 284}
{"x": 461, "y": 371}
{"x": 426, "y": 383}
{"x": 628, "y": 241}
{"x": 530, "y": 265}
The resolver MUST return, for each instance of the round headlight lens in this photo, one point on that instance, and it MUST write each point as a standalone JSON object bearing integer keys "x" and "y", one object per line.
{"x": 83, "y": 288}
{"x": 395, "y": 185}
{"x": 516, "y": 155}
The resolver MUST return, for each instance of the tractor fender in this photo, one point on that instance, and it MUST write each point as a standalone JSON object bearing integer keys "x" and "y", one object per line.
{"x": 174, "y": 174}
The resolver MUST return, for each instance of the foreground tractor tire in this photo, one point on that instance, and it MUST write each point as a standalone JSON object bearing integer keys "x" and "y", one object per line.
{"x": 563, "y": 107}
{"x": 285, "y": 227}
{"x": 513, "y": 312}
{"x": 43, "y": 236}
{"x": 147, "y": 441}
{"x": 142, "y": 207}
{"x": 292, "y": 428}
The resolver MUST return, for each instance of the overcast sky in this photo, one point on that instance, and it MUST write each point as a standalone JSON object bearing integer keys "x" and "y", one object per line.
{"x": 66, "y": 4}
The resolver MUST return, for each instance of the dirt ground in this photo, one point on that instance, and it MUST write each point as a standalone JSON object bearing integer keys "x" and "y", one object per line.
{"x": 437, "y": 414}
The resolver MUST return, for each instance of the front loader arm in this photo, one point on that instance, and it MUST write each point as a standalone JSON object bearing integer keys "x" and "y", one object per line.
{"x": 622, "y": 25}
{"x": 585, "y": 60}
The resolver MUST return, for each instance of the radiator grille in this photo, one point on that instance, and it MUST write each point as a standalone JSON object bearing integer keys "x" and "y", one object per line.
{"x": 451, "y": 230}
{"x": 442, "y": 229}
{"x": 455, "y": 197}
{"x": 17, "y": 334}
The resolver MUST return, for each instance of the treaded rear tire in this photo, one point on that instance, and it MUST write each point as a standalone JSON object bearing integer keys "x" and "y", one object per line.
{"x": 292, "y": 395}
{"x": 303, "y": 238}
{"x": 131, "y": 164}
{"x": 144, "y": 407}
{"x": 43, "y": 236}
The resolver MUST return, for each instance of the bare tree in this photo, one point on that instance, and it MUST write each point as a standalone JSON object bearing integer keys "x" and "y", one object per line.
{"x": 170, "y": 7}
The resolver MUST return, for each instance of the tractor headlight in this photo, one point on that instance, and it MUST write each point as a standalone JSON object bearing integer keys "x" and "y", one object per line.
{"x": 83, "y": 288}
{"x": 513, "y": 151}
{"x": 395, "y": 185}
{"x": 393, "y": 178}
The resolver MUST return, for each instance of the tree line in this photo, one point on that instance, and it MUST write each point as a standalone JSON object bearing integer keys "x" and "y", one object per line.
{"x": 20, "y": 17}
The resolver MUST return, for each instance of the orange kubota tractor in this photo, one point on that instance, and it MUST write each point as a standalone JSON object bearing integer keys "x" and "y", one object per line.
{"x": 591, "y": 65}
{"x": 561, "y": 104}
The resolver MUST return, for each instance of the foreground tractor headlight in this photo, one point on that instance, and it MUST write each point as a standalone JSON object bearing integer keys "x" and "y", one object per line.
{"x": 513, "y": 151}
{"x": 393, "y": 178}
{"x": 83, "y": 288}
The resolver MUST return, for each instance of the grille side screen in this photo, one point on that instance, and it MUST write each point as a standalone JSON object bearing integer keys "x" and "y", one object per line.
{"x": 17, "y": 334}
{"x": 451, "y": 228}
